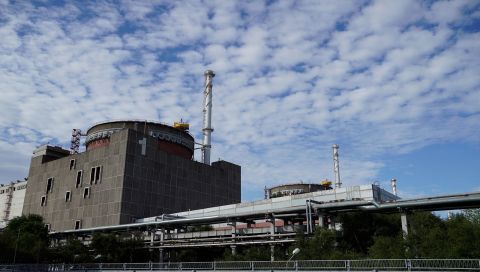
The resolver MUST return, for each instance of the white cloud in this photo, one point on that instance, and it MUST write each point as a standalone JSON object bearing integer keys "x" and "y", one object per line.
{"x": 293, "y": 77}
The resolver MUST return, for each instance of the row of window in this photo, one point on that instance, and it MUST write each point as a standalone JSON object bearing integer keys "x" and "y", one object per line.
{"x": 95, "y": 177}
{"x": 78, "y": 225}
{"x": 68, "y": 196}
{"x": 11, "y": 189}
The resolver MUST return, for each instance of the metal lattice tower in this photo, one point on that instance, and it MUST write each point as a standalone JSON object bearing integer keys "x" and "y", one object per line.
{"x": 75, "y": 142}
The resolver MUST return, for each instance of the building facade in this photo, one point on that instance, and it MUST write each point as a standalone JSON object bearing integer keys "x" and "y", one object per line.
{"x": 11, "y": 200}
{"x": 130, "y": 170}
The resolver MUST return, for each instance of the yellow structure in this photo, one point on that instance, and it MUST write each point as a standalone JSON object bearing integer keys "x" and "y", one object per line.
{"x": 181, "y": 125}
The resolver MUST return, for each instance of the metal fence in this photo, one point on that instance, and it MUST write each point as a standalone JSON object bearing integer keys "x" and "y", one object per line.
{"x": 312, "y": 265}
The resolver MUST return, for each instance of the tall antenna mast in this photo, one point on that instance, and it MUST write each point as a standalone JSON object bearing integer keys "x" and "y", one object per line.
{"x": 336, "y": 166}
{"x": 207, "y": 117}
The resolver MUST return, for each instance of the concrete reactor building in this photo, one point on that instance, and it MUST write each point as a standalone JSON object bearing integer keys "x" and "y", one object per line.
{"x": 129, "y": 170}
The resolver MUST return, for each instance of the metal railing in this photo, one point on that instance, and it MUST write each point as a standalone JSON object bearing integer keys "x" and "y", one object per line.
{"x": 309, "y": 265}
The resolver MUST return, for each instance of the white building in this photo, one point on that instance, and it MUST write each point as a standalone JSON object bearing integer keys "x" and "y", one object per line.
{"x": 11, "y": 200}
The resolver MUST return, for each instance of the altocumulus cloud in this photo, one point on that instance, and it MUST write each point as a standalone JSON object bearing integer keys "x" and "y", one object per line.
{"x": 293, "y": 77}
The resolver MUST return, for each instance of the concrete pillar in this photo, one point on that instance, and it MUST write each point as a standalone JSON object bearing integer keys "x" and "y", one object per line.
{"x": 162, "y": 238}
{"x": 272, "y": 237}
{"x": 403, "y": 217}
{"x": 321, "y": 219}
{"x": 272, "y": 252}
{"x": 152, "y": 237}
{"x": 332, "y": 222}
{"x": 234, "y": 230}
{"x": 162, "y": 235}
{"x": 160, "y": 255}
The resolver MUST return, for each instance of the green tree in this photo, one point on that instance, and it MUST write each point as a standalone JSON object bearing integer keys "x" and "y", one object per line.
{"x": 26, "y": 239}
{"x": 387, "y": 247}
{"x": 463, "y": 238}
{"x": 427, "y": 236}
{"x": 249, "y": 253}
{"x": 133, "y": 250}
{"x": 106, "y": 247}
{"x": 360, "y": 229}
{"x": 472, "y": 215}
{"x": 73, "y": 251}
{"x": 320, "y": 246}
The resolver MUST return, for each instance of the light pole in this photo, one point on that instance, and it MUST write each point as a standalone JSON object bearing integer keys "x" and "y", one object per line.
{"x": 16, "y": 247}
{"x": 294, "y": 252}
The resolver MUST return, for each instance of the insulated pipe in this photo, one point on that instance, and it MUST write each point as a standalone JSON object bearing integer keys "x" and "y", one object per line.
{"x": 207, "y": 117}
{"x": 471, "y": 201}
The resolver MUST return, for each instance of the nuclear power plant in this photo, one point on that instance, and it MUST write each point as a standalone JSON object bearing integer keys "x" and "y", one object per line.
{"x": 130, "y": 169}
{"x": 140, "y": 177}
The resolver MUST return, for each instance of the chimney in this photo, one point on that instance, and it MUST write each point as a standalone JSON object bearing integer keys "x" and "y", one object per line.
{"x": 207, "y": 117}
{"x": 336, "y": 166}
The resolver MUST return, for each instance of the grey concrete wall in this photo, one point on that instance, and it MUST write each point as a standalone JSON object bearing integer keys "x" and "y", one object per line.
{"x": 159, "y": 182}
{"x": 103, "y": 205}
{"x": 132, "y": 185}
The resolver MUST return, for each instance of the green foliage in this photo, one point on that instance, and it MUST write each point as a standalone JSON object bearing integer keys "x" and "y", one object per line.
{"x": 320, "y": 246}
{"x": 249, "y": 253}
{"x": 463, "y": 238}
{"x": 206, "y": 254}
{"x": 472, "y": 215}
{"x": 106, "y": 247}
{"x": 112, "y": 248}
{"x": 29, "y": 236}
{"x": 73, "y": 251}
{"x": 363, "y": 235}
{"x": 360, "y": 229}
{"x": 387, "y": 247}
{"x": 431, "y": 237}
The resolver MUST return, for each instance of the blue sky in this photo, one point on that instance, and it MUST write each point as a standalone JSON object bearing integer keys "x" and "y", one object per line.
{"x": 395, "y": 83}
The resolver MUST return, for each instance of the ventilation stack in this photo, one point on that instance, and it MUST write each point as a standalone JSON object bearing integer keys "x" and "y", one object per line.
{"x": 336, "y": 166}
{"x": 393, "y": 183}
{"x": 207, "y": 117}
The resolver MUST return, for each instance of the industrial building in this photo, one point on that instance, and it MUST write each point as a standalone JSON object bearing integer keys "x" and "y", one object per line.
{"x": 296, "y": 188}
{"x": 130, "y": 169}
{"x": 11, "y": 200}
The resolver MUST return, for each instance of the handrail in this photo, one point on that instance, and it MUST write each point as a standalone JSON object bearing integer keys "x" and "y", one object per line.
{"x": 311, "y": 265}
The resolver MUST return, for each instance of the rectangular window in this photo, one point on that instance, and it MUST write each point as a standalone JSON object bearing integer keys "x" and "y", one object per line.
{"x": 68, "y": 196}
{"x": 92, "y": 175}
{"x": 86, "y": 192}
{"x": 98, "y": 174}
{"x": 49, "y": 185}
{"x": 78, "y": 224}
{"x": 44, "y": 201}
{"x": 78, "y": 182}
{"x": 72, "y": 164}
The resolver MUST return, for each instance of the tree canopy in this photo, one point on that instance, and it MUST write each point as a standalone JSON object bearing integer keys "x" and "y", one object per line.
{"x": 362, "y": 235}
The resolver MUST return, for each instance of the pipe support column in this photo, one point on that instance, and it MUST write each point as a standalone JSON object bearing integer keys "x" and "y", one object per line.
{"x": 404, "y": 219}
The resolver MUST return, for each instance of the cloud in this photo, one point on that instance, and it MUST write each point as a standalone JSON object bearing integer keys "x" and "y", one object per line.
{"x": 293, "y": 77}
